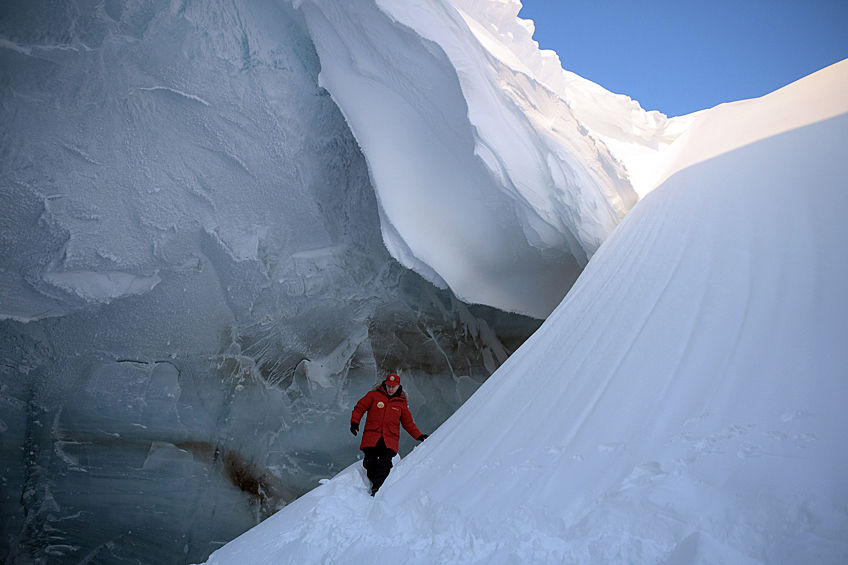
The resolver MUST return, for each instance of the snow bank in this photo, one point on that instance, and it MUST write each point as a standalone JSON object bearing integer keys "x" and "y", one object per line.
{"x": 685, "y": 403}
{"x": 736, "y": 124}
{"x": 629, "y": 132}
{"x": 490, "y": 176}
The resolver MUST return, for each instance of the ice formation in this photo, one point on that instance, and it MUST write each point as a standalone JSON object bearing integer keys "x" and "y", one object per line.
{"x": 489, "y": 161}
{"x": 212, "y": 215}
{"x": 683, "y": 405}
{"x": 194, "y": 282}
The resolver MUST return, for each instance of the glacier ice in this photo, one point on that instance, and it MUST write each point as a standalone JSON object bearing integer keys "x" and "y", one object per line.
{"x": 221, "y": 220}
{"x": 194, "y": 283}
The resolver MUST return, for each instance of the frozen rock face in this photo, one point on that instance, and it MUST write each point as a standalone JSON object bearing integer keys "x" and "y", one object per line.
{"x": 195, "y": 289}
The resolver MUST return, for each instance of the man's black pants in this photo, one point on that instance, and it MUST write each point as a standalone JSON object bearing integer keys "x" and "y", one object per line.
{"x": 378, "y": 463}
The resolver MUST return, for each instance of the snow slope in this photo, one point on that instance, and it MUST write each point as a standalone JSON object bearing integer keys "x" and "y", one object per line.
{"x": 684, "y": 404}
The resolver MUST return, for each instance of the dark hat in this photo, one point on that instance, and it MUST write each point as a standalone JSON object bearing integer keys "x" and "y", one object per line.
{"x": 392, "y": 380}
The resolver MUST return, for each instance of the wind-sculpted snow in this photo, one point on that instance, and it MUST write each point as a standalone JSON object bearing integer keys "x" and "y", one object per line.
{"x": 487, "y": 181}
{"x": 684, "y": 404}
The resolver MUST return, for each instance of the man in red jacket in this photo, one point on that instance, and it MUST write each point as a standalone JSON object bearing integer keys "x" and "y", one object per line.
{"x": 387, "y": 410}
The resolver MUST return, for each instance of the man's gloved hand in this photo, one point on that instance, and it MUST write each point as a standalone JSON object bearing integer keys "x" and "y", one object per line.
{"x": 354, "y": 428}
{"x": 422, "y": 437}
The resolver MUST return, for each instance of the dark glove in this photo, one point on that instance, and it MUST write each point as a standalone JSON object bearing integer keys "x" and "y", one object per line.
{"x": 354, "y": 427}
{"x": 422, "y": 437}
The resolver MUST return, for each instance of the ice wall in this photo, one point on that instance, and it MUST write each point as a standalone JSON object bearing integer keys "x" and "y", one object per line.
{"x": 194, "y": 283}
{"x": 488, "y": 180}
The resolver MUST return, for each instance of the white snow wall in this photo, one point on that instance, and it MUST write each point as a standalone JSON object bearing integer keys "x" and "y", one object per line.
{"x": 487, "y": 181}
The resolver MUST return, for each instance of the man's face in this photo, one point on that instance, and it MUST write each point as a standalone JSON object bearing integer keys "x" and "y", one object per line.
{"x": 392, "y": 388}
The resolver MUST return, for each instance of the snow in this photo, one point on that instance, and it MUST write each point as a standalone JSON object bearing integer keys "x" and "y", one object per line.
{"x": 487, "y": 181}
{"x": 198, "y": 206}
{"x": 191, "y": 255}
{"x": 736, "y": 124}
{"x": 685, "y": 403}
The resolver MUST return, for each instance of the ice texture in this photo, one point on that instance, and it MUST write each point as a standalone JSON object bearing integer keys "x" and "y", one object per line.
{"x": 685, "y": 403}
{"x": 222, "y": 221}
{"x": 195, "y": 289}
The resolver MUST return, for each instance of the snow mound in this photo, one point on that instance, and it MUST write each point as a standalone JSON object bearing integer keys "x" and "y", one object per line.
{"x": 684, "y": 404}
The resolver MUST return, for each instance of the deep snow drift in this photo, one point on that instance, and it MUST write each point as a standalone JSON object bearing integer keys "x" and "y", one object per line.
{"x": 684, "y": 404}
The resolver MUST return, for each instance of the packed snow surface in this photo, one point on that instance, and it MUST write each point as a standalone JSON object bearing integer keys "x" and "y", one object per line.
{"x": 685, "y": 403}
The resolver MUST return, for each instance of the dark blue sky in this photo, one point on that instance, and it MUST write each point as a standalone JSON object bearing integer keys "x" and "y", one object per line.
{"x": 684, "y": 55}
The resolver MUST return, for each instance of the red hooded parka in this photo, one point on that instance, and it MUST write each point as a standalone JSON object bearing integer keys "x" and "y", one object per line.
{"x": 385, "y": 417}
